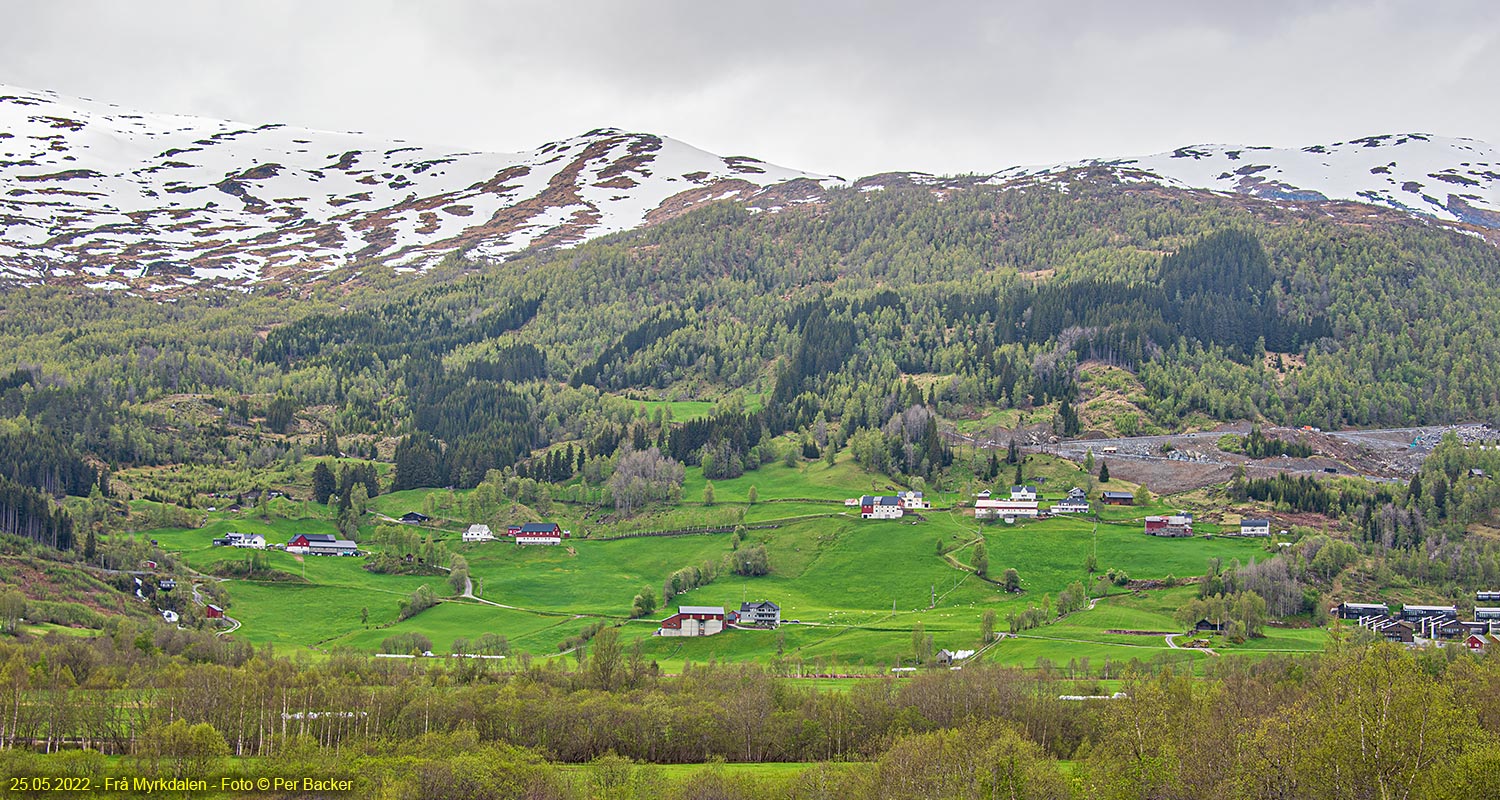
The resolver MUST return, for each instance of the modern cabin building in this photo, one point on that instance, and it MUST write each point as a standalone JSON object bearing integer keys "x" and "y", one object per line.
{"x": 1361, "y": 610}
{"x": 1414, "y": 613}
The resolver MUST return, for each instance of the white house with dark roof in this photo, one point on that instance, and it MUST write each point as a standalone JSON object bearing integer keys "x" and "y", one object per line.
{"x": 1077, "y": 502}
{"x": 1023, "y": 493}
{"x": 764, "y": 613}
{"x": 479, "y": 532}
{"x": 913, "y": 500}
{"x": 1255, "y": 527}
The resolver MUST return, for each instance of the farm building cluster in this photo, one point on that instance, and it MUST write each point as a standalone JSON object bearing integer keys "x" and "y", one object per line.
{"x": 529, "y": 533}
{"x": 1025, "y": 503}
{"x": 252, "y": 541}
{"x": 888, "y": 506}
{"x": 709, "y": 620}
{"x": 313, "y": 544}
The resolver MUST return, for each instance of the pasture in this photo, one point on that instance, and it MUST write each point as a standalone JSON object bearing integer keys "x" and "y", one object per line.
{"x": 857, "y": 589}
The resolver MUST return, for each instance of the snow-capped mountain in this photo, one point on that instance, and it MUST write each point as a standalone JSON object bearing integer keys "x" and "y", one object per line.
{"x": 1456, "y": 180}
{"x": 92, "y": 191}
{"x": 95, "y": 194}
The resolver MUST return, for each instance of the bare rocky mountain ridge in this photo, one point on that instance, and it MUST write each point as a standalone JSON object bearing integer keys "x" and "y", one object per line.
{"x": 98, "y": 195}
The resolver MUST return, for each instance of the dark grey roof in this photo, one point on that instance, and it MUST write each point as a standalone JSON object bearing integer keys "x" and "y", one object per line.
{"x": 539, "y": 527}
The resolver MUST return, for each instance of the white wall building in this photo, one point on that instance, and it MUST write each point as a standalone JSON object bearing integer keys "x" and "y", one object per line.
{"x": 996, "y": 509}
{"x": 478, "y": 532}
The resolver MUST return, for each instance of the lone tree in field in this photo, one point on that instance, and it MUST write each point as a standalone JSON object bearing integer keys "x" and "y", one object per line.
{"x": 1103, "y": 472}
{"x": 644, "y": 604}
{"x": 1011, "y": 580}
{"x": 981, "y": 560}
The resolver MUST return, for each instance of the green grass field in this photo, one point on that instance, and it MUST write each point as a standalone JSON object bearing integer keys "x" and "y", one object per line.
{"x": 857, "y": 589}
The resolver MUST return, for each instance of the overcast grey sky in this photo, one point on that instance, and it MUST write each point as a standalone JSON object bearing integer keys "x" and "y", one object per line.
{"x": 850, "y": 88}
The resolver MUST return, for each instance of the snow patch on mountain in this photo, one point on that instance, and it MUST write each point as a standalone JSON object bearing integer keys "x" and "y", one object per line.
{"x": 1451, "y": 179}
{"x": 94, "y": 190}
{"x": 95, "y": 194}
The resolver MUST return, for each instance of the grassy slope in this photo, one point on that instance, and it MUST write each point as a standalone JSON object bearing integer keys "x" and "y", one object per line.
{"x": 858, "y": 587}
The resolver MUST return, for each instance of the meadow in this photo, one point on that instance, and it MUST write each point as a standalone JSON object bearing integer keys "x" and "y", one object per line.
{"x": 856, "y": 589}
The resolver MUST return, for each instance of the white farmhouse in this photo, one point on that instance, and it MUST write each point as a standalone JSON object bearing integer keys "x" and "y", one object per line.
{"x": 478, "y": 532}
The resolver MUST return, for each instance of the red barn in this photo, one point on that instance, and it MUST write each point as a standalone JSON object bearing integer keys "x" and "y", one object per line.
{"x": 212, "y": 611}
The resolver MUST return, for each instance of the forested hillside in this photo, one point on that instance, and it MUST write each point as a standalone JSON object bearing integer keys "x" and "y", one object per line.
{"x": 828, "y": 319}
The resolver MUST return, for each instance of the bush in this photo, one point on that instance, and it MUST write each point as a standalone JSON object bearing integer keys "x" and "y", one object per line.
{"x": 752, "y": 561}
{"x": 412, "y": 643}
{"x": 420, "y": 600}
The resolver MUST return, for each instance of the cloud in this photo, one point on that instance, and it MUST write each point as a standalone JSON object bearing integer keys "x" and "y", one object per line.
{"x": 844, "y": 87}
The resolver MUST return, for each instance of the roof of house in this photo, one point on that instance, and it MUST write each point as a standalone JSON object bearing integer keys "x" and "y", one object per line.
{"x": 1077, "y": 491}
{"x": 1452, "y": 609}
{"x": 716, "y": 610}
{"x": 539, "y": 527}
{"x": 764, "y": 605}
{"x": 1255, "y": 523}
{"x": 1119, "y": 495}
{"x": 415, "y": 515}
{"x": 1031, "y": 489}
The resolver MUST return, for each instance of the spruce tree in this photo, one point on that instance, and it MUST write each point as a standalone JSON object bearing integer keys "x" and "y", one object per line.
{"x": 322, "y": 483}
{"x": 1103, "y": 472}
